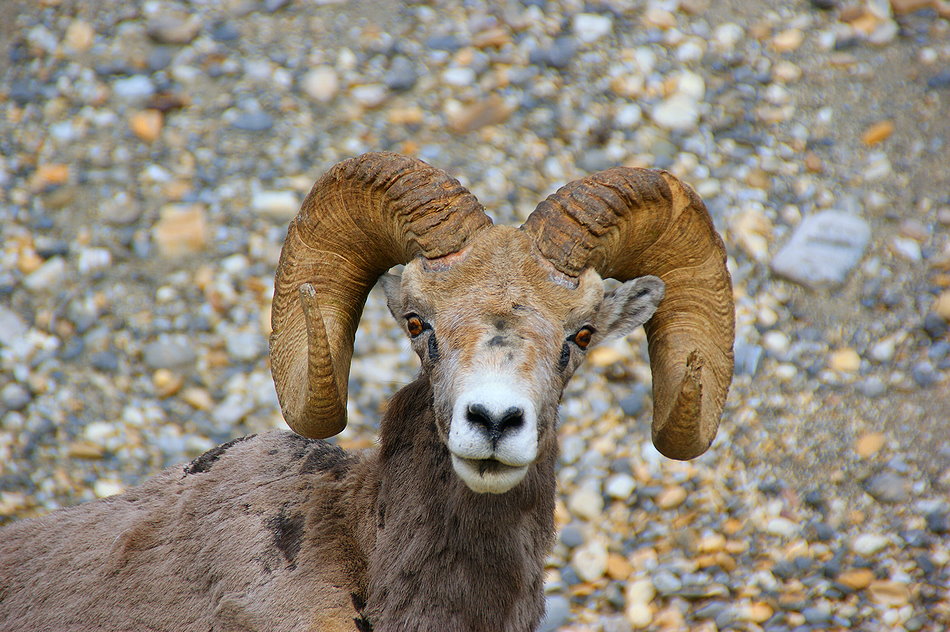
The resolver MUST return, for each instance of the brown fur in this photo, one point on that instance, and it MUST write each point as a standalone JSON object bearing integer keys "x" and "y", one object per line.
{"x": 277, "y": 532}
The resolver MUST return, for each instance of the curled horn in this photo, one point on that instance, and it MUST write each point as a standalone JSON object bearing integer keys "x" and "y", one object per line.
{"x": 362, "y": 217}
{"x": 627, "y": 223}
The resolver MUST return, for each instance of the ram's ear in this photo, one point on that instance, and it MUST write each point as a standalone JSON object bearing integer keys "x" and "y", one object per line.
{"x": 629, "y": 306}
{"x": 392, "y": 287}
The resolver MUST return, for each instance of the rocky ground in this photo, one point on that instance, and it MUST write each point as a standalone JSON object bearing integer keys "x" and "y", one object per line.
{"x": 152, "y": 153}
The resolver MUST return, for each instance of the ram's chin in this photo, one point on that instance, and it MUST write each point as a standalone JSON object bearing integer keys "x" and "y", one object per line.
{"x": 488, "y": 476}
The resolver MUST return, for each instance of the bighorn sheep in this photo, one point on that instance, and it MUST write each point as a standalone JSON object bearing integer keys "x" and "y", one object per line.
{"x": 447, "y": 524}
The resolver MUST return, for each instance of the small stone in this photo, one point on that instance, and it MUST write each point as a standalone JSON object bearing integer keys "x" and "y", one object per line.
{"x": 925, "y": 374}
{"x": 173, "y": 28}
{"x": 85, "y": 450}
{"x": 107, "y": 487}
{"x": 320, "y": 84}
{"x": 180, "y": 230}
{"x": 590, "y": 27}
{"x": 197, "y": 398}
{"x": 590, "y": 560}
{"x": 938, "y": 521}
{"x": 782, "y": 527}
{"x": 557, "y": 613}
{"x": 942, "y": 306}
{"x": 620, "y": 486}
{"x": 170, "y": 352}
{"x": 856, "y": 579}
{"x": 224, "y": 31}
{"x": 618, "y": 567}
{"x": 490, "y": 111}
{"x": 370, "y": 95}
{"x": 889, "y": 593}
{"x": 868, "y": 444}
{"x": 640, "y": 615}
{"x": 253, "y": 122}
{"x": 640, "y": 591}
{"x": 759, "y": 612}
{"x": 147, "y": 124}
{"x": 823, "y": 249}
{"x": 80, "y": 36}
{"x": 844, "y": 361}
{"x": 604, "y": 356}
{"x": 868, "y": 544}
{"x": 906, "y": 248}
{"x": 666, "y": 583}
{"x": 459, "y": 76}
{"x": 48, "y": 276}
{"x": 402, "y": 74}
{"x": 166, "y": 382}
{"x": 888, "y": 487}
{"x": 788, "y": 40}
{"x": 677, "y": 113}
{"x": 279, "y": 205}
{"x": 245, "y": 346}
{"x": 558, "y": 55}
{"x": 572, "y": 535}
{"x": 12, "y": 327}
{"x": 15, "y": 396}
{"x": 48, "y": 174}
{"x": 586, "y": 503}
{"x": 134, "y": 89}
{"x": 935, "y": 325}
{"x": 671, "y": 497}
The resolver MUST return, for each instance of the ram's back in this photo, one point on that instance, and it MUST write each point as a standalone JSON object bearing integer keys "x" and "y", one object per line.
{"x": 235, "y": 540}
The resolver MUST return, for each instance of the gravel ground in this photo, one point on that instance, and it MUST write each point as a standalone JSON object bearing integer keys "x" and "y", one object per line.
{"x": 151, "y": 154}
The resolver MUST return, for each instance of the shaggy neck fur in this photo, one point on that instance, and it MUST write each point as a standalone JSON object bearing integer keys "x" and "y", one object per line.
{"x": 441, "y": 557}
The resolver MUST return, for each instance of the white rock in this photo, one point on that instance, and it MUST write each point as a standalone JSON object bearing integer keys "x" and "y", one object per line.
{"x": 906, "y": 248}
{"x": 459, "y": 76}
{"x": 281, "y": 205}
{"x": 48, "y": 276}
{"x": 640, "y": 591}
{"x": 93, "y": 259}
{"x": 320, "y": 84}
{"x": 136, "y": 88}
{"x": 590, "y": 27}
{"x": 586, "y": 503}
{"x": 869, "y": 544}
{"x": 620, "y": 486}
{"x": 823, "y": 249}
{"x": 692, "y": 85}
{"x": 782, "y": 527}
{"x": 108, "y": 487}
{"x": 727, "y": 35}
{"x": 370, "y": 95}
{"x": 590, "y": 560}
{"x": 776, "y": 341}
{"x": 12, "y": 327}
{"x": 677, "y": 113}
{"x": 628, "y": 116}
{"x": 639, "y": 615}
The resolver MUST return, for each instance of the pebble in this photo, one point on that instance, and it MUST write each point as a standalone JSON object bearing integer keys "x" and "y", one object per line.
{"x": 868, "y": 544}
{"x": 402, "y": 74}
{"x": 14, "y": 396}
{"x": 888, "y": 487}
{"x": 889, "y": 593}
{"x": 282, "y": 206}
{"x": 169, "y": 352}
{"x": 180, "y": 230}
{"x": 677, "y": 113}
{"x": 586, "y": 503}
{"x": 845, "y": 361}
{"x": 80, "y": 36}
{"x": 823, "y": 249}
{"x": 620, "y": 486}
{"x": 671, "y": 497}
{"x": 590, "y": 27}
{"x": 590, "y": 560}
{"x": 134, "y": 89}
{"x": 47, "y": 277}
{"x": 253, "y": 122}
{"x": 666, "y": 583}
{"x": 856, "y": 579}
{"x": 12, "y": 327}
{"x": 173, "y": 28}
{"x": 942, "y": 306}
{"x": 245, "y": 346}
{"x": 878, "y": 133}
{"x": 640, "y": 615}
{"x": 557, "y": 613}
{"x": 782, "y": 527}
{"x": 147, "y": 124}
{"x": 371, "y": 95}
{"x": 107, "y": 487}
{"x": 320, "y": 84}
{"x": 869, "y": 444}
{"x": 788, "y": 40}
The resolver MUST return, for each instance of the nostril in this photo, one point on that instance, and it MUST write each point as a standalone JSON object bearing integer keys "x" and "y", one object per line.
{"x": 495, "y": 424}
{"x": 478, "y": 415}
{"x": 513, "y": 418}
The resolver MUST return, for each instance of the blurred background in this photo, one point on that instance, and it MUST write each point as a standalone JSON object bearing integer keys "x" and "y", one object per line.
{"x": 152, "y": 154}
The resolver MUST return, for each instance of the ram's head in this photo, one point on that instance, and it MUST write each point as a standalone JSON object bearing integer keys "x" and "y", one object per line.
{"x": 502, "y": 316}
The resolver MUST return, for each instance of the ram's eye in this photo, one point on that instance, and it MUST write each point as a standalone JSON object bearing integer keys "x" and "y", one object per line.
{"x": 583, "y": 337}
{"x": 414, "y": 326}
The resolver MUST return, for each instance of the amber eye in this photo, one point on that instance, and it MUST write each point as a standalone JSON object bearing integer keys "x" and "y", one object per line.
{"x": 415, "y": 326}
{"x": 583, "y": 337}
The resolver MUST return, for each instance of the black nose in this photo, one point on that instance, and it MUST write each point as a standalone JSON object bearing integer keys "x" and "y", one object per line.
{"x": 495, "y": 424}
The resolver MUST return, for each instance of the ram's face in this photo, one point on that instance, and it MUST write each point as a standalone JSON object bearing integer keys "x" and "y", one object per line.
{"x": 499, "y": 334}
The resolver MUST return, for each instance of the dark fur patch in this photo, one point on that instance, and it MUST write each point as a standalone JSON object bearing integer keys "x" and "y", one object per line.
{"x": 288, "y": 535}
{"x": 362, "y": 623}
{"x": 325, "y": 457}
{"x": 204, "y": 462}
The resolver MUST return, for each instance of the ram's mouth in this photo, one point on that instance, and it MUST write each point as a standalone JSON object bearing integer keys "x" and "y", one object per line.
{"x": 488, "y": 475}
